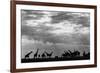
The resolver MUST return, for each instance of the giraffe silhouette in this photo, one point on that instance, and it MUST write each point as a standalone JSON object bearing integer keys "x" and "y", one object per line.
{"x": 49, "y": 54}
{"x": 66, "y": 54}
{"x": 71, "y": 53}
{"x": 86, "y": 54}
{"x": 36, "y": 54}
{"x": 74, "y": 54}
{"x": 27, "y": 55}
{"x": 43, "y": 55}
{"x": 39, "y": 55}
{"x": 77, "y": 53}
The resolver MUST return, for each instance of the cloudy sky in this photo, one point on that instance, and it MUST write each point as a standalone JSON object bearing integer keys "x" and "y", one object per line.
{"x": 55, "y": 27}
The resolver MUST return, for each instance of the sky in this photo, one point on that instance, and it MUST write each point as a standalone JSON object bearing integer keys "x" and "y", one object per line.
{"x": 55, "y": 27}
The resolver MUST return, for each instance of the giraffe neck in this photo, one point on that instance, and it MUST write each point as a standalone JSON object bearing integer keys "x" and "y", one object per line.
{"x": 29, "y": 53}
{"x": 37, "y": 51}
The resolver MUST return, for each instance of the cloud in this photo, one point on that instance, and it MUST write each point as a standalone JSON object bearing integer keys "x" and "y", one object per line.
{"x": 60, "y": 16}
{"x": 56, "y": 27}
{"x": 55, "y": 17}
{"x": 76, "y": 18}
{"x": 46, "y": 34}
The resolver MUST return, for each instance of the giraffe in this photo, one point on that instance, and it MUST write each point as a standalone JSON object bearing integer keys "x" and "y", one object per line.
{"x": 86, "y": 54}
{"x": 49, "y": 54}
{"x": 27, "y": 55}
{"x": 39, "y": 55}
{"x": 35, "y": 55}
{"x": 43, "y": 55}
{"x": 74, "y": 54}
{"x": 66, "y": 54}
{"x": 71, "y": 53}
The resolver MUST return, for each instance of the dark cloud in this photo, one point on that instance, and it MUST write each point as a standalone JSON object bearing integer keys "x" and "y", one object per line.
{"x": 31, "y": 14}
{"x": 26, "y": 30}
{"x": 85, "y": 21}
{"x": 77, "y": 18}
{"x": 35, "y": 12}
{"x": 82, "y": 18}
{"x": 60, "y": 16}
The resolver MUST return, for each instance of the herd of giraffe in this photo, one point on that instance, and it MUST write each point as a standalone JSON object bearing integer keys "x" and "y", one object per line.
{"x": 37, "y": 55}
{"x": 49, "y": 55}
